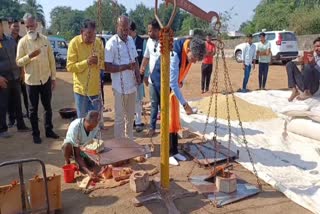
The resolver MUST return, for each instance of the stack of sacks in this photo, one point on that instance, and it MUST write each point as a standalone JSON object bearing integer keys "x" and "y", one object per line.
{"x": 305, "y": 127}
{"x": 305, "y": 119}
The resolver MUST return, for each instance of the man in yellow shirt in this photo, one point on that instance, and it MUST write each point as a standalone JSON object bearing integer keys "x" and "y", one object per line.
{"x": 85, "y": 60}
{"x": 35, "y": 54}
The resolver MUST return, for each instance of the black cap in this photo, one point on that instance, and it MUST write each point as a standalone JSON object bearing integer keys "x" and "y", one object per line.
{"x": 262, "y": 34}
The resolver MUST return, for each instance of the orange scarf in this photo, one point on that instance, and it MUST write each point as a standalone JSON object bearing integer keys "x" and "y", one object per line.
{"x": 174, "y": 124}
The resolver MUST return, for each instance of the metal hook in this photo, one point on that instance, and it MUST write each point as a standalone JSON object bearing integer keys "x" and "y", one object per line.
{"x": 173, "y": 14}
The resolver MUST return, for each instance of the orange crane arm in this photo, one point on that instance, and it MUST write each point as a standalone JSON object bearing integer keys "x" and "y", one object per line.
{"x": 196, "y": 11}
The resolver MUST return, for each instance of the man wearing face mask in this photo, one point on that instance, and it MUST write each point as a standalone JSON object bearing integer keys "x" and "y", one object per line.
{"x": 85, "y": 60}
{"x": 10, "y": 91}
{"x": 35, "y": 55}
{"x": 121, "y": 62}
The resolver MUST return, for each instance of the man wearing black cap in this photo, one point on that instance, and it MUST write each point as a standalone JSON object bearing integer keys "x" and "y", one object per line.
{"x": 264, "y": 54}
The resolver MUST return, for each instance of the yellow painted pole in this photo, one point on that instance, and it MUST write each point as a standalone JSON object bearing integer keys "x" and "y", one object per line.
{"x": 166, "y": 43}
{"x": 165, "y": 93}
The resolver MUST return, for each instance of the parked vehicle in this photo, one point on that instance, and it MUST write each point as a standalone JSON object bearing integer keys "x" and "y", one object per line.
{"x": 284, "y": 46}
{"x": 60, "y": 50}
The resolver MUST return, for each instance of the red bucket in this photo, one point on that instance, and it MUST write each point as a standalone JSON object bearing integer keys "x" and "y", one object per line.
{"x": 68, "y": 172}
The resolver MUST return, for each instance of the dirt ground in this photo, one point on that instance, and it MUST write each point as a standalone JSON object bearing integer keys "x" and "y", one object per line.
{"x": 118, "y": 200}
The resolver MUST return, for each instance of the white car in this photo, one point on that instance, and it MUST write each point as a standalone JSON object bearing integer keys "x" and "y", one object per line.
{"x": 284, "y": 46}
{"x": 60, "y": 50}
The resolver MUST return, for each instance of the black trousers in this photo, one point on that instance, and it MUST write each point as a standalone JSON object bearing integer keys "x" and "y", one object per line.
{"x": 263, "y": 74}
{"x": 307, "y": 79}
{"x": 206, "y": 71}
{"x": 173, "y": 138}
{"x": 25, "y": 97}
{"x": 12, "y": 102}
{"x": 45, "y": 93}
{"x": 11, "y": 99}
{"x": 4, "y": 93}
{"x": 102, "y": 92}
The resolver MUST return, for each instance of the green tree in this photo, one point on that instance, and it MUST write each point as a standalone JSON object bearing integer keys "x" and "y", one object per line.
{"x": 32, "y": 6}
{"x": 109, "y": 14}
{"x": 66, "y": 22}
{"x": 247, "y": 27}
{"x": 165, "y": 12}
{"x": 10, "y": 9}
{"x": 192, "y": 23}
{"x": 289, "y": 15}
{"x": 141, "y": 15}
{"x": 305, "y": 21}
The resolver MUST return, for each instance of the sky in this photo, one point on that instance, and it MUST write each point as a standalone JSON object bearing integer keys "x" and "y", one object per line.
{"x": 244, "y": 8}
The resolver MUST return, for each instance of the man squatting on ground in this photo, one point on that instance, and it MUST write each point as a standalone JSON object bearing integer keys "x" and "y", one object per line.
{"x": 80, "y": 132}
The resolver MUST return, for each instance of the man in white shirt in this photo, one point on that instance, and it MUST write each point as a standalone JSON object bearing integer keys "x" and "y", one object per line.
{"x": 121, "y": 62}
{"x": 249, "y": 57}
{"x": 151, "y": 55}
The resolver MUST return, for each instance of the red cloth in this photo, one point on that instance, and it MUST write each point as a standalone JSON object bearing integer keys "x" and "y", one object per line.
{"x": 209, "y": 59}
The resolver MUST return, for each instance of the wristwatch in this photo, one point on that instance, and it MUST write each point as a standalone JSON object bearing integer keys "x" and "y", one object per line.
{"x": 185, "y": 105}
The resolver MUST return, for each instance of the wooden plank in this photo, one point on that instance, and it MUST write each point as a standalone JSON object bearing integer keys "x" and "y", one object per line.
{"x": 10, "y": 199}
{"x": 117, "y": 150}
{"x": 37, "y": 193}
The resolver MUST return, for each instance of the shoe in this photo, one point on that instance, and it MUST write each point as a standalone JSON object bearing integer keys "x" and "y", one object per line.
{"x": 180, "y": 157}
{"x": 173, "y": 161}
{"x": 202, "y": 92}
{"x": 24, "y": 129}
{"x": 244, "y": 90}
{"x": 37, "y": 140}
{"x": 5, "y": 134}
{"x": 52, "y": 135}
{"x": 139, "y": 128}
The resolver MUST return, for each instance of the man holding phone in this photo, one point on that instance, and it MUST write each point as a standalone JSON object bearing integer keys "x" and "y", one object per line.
{"x": 305, "y": 83}
{"x": 35, "y": 55}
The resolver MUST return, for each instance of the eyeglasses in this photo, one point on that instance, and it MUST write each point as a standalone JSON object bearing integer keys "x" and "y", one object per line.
{"x": 155, "y": 46}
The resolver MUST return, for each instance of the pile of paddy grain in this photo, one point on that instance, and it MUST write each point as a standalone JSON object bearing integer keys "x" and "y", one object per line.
{"x": 248, "y": 112}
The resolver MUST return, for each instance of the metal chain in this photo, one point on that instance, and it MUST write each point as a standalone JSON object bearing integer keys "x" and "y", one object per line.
{"x": 214, "y": 92}
{"x": 240, "y": 122}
